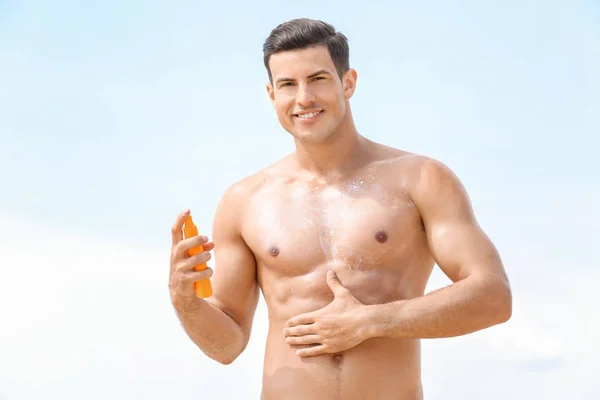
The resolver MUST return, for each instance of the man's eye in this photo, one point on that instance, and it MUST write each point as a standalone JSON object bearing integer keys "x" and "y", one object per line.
{"x": 286, "y": 84}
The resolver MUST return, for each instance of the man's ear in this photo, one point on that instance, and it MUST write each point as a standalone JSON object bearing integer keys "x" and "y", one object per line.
{"x": 349, "y": 82}
{"x": 271, "y": 93}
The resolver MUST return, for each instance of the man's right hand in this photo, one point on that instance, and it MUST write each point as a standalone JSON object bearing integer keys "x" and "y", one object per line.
{"x": 182, "y": 274}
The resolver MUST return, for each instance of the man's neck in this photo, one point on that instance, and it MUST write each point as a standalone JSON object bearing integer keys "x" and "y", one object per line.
{"x": 334, "y": 158}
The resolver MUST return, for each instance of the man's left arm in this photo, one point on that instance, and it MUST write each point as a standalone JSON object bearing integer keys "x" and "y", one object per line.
{"x": 480, "y": 294}
{"x": 478, "y": 298}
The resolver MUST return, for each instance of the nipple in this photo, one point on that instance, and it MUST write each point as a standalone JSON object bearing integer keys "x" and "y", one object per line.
{"x": 381, "y": 236}
{"x": 274, "y": 251}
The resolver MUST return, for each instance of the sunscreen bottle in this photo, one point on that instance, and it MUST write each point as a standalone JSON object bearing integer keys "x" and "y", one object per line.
{"x": 203, "y": 287}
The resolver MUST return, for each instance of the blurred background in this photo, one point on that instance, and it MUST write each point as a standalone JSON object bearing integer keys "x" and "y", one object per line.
{"x": 114, "y": 116}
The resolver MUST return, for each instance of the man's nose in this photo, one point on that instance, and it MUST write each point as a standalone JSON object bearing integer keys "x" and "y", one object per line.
{"x": 304, "y": 96}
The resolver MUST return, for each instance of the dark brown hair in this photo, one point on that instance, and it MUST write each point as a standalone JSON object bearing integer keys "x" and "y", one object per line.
{"x": 302, "y": 33}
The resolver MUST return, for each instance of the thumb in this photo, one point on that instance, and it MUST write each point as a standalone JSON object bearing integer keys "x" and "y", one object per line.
{"x": 334, "y": 283}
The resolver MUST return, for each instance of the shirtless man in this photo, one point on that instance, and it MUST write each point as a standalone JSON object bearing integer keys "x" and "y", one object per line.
{"x": 341, "y": 237}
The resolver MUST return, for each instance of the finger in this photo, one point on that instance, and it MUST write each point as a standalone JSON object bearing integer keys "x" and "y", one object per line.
{"x": 334, "y": 283}
{"x": 312, "y": 351}
{"x": 185, "y": 245}
{"x": 300, "y": 330}
{"x": 176, "y": 229}
{"x": 195, "y": 276}
{"x": 301, "y": 319}
{"x": 303, "y": 340}
{"x": 193, "y": 261}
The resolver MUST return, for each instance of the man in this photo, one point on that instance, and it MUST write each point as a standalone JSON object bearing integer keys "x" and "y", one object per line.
{"x": 341, "y": 237}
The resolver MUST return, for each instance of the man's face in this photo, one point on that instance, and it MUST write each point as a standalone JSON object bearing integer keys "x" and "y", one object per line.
{"x": 307, "y": 93}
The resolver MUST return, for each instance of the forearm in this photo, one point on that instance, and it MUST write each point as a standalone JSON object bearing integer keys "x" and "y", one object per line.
{"x": 211, "y": 329}
{"x": 464, "y": 307}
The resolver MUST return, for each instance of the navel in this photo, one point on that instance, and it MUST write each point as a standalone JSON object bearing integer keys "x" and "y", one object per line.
{"x": 337, "y": 358}
{"x": 274, "y": 251}
{"x": 381, "y": 236}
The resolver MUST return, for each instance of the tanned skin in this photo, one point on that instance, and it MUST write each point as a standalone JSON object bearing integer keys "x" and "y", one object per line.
{"x": 341, "y": 237}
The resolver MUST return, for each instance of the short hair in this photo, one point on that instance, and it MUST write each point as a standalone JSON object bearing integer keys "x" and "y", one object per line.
{"x": 301, "y": 33}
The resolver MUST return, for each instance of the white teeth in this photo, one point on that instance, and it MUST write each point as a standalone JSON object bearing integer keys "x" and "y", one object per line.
{"x": 307, "y": 116}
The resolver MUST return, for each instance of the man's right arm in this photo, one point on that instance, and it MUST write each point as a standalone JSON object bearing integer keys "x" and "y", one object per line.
{"x": 220, "y": 325}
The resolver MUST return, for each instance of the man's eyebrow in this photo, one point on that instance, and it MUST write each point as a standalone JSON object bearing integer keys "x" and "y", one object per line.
{"x": 319, "y": 72}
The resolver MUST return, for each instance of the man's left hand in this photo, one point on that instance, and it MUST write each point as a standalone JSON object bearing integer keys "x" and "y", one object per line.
{"x": 340, "y": 325}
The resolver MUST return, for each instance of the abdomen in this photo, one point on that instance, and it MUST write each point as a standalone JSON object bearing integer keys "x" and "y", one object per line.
{"x": 378, "y": 368}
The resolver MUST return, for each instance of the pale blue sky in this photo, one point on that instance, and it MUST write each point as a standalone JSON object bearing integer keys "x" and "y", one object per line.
{"x": 115, "y": 116}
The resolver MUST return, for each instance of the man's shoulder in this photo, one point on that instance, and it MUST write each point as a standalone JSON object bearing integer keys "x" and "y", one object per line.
{"x": 430, "y": 174}
{"x": 420, "y": 174}
{"x": 244, "y": 189}
{"x": 410, "y": 165}
{"x": 429, "y": 180}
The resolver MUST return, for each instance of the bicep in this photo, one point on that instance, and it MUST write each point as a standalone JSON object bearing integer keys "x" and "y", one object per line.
{"x": 457, "y": 242}
{"x": 235, "y": 290}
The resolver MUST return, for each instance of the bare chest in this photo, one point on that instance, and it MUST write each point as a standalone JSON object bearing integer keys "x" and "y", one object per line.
{"x": 294, "y": 230}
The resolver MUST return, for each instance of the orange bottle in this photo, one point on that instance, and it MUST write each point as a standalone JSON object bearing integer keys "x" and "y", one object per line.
{"x": 203, "y": 287}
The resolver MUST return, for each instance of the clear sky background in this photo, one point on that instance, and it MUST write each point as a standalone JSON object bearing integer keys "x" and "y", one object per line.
{"x": 114, "y": 116}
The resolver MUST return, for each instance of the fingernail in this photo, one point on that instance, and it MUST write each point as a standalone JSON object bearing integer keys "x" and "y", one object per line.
{"x": 204, "y": 238}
